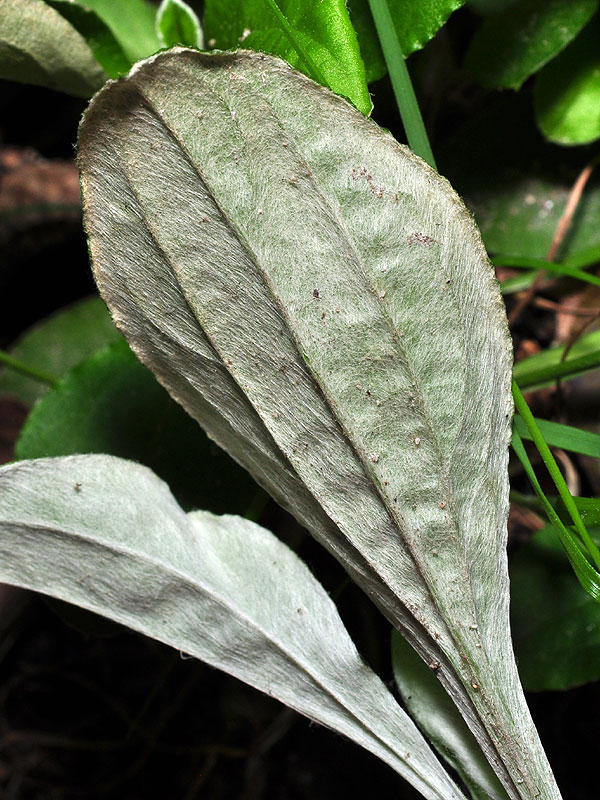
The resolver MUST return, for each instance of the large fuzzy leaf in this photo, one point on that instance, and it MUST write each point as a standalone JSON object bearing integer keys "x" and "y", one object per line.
{"x": 109, "y": 537}
{"x": 320, "y": 300}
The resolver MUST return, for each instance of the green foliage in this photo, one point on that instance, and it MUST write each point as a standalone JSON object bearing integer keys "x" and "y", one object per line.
{"x": 39, "y": 46}
{"x": 132, "y": 22}
{"x": 320, "y": 33}
{"x": 545, "y": 367}
{"x": 56, "y": 344}
{"x": 519, "y": 188}
{"x": 556, "y": 626}
{"x": 415, "y": 24}
{"x": 515, "y": 43}
{"x": 177, "y": 23}
{"x": 438, "y": 717}
{"x": 112, "y": 404}
{"x": 567, "y": 92}
{"x": 98, "y": 36}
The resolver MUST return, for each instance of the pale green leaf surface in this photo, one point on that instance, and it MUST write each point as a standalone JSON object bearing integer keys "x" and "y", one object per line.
{"x": 415, "y": 24}
{"x": 320, "y": 300}
{"x": 436, "y": 715}
{"x": 323, "y": 30}
{"x": 99, "y": 37}
{"x": 132, "y": 22}
{"x": 39, "y": 46}
{"x": 56, "y": 344}
{"x": 567, "y": 92}
{"x": 177, "y": 23}
{"x": 556, "y": 626}
{"x": 513, "y": 44}
{"x": 109, "y": 537}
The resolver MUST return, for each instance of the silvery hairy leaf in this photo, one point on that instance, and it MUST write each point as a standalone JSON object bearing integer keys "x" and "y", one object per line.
{"x": 108, "y": 536}
{"x": 321, "y": 302}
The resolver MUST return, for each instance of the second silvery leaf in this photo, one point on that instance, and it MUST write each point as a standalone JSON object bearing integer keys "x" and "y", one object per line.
{"x": 320, "y": 300}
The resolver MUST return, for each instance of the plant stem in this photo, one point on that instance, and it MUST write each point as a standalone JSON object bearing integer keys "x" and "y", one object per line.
{"x": 27, "y": 369}
{"x": 561, "y": 370}
{"x": 554, "y": 471}
{"x": 401, "y": 82}
{"x": 293, "y": 40}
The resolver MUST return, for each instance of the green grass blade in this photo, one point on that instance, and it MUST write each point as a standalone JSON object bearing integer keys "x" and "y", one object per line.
{"x": 564, "y": 436}
{"x": 531, "y": 375}
{"x": 554, "y": 471}
{"x": 565, "y": 268}
{"x": 586, "y": 574}
{"x": 401, "y": 82}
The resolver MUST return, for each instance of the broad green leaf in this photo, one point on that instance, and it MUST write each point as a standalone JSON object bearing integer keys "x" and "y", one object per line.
{"x": 323, "y": 31}
{"x": 109, "y": 537}
{"x": 415, "y": 24}
{"x": 556, "y": 626}
{"x": 368, "y": 41}
{"x": 543, "y": 368}
{"x": 177, "y": 23}
{"x": 39, "y": 46}
{"x": 567, "y": 92}
{"x": 320, "y": 300}
{"x": 520, "y": 188}
{"x": 56, "y": 344}
{"x": 565, "y": 436}
{"x": 513, "y": 44}
{"x": 99, "y": 37}
{"x": 436, "y": 715}
{"x": 112, "y": 404}
{"x": 132, "y": 22}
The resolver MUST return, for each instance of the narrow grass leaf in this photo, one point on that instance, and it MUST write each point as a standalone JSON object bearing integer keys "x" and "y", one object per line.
{"x": 546, "y": 266}
{"x": 554, "y": 472}
{"x": 414, "y": 24}
{"x": 109, "y": 537}
{"x": 543, "y": 368}
{"x": 588, "y": 577}
{"x": 566, "y": 437}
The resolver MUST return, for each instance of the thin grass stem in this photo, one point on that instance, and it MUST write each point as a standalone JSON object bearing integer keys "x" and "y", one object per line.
{"x": 401, "y": 82}
{"x": 27, "y": 369}
{"x": 554, "y": 471}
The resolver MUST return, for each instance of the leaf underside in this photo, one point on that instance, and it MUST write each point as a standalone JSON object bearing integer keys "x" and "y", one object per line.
{"x": 109, "y": 537}
{"x": 320, "y": 300}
